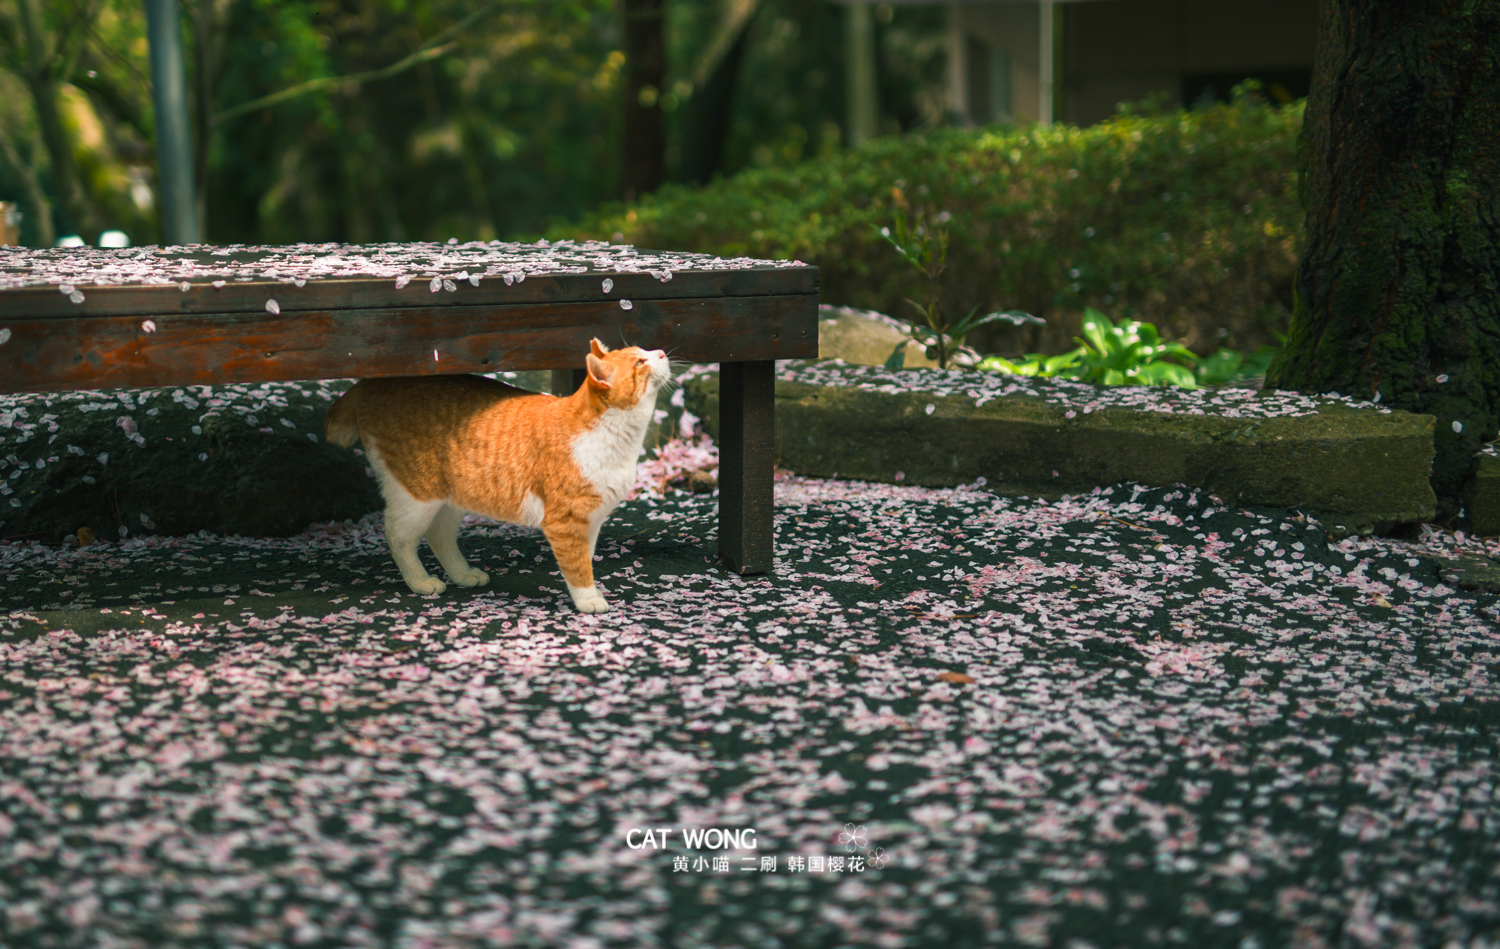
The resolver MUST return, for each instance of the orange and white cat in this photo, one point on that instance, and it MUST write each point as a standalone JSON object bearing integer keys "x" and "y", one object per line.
{"x": 445, "y": 445}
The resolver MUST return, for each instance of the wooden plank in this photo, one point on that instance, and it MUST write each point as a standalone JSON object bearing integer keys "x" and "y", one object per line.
{"x": 747, "y": 460}
{"x": 251, "y": 297}
{"x": 120, "y": 352}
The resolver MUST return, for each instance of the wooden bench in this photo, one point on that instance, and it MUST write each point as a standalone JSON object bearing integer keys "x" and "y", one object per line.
{"x": 84, "y": 318}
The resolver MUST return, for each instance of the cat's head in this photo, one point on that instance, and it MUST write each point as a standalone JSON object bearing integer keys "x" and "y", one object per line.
{"x": 622, "y": 378}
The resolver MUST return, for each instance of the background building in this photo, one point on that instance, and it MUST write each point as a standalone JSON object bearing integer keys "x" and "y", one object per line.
{"x": 1074, "y": 60}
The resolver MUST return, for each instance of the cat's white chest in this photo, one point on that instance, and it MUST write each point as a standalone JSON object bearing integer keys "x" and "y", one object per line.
{"x": 606, "y": 454}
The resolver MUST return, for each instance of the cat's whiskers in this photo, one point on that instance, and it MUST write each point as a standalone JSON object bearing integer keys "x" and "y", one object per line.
{"x": 676, "y": 367}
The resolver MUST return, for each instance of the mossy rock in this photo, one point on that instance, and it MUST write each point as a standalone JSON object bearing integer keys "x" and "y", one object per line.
{"x": 242, "y": 459}
{"x": 1482, "y": 497}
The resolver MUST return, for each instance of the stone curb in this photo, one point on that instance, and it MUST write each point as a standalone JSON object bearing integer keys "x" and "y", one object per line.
{"x": 1357, "y": 471}
{"x": 1482, "y": 496}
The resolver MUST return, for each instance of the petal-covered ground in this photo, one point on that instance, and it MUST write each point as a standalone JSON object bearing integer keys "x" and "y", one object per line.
{"x": 949, "y": 718}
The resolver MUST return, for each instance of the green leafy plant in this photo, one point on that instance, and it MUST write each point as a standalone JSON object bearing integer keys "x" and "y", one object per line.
{"x": 1188, "y": 220}
{"x": 1033, "y": 364}
{"x": 1227, "y": 365}
{"x": 1133, "y": 353}
{"x": 1130, "y": 353}
{"x": 925, "y": 248}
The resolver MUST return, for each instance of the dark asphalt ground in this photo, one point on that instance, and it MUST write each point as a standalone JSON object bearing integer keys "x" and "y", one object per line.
{"x": 949, "y": 718}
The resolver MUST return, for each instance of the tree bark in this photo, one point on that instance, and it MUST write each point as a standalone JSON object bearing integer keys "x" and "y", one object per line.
{"x": 210, "y": 20}
{"x": 645, "y": 71}
{"x": 1398, "y": 290}
{"x": 43, "y": 79}
{"x": 33, "y": 197}
{"x": 703, "y": 150}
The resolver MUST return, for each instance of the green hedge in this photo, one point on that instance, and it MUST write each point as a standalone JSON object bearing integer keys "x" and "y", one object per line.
{"x": 1188, "y": 220}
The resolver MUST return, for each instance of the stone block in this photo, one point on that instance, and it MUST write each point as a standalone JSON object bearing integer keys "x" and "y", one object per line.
{"x": 1357, "y": 470}
{"x": 865, "y": 338}
{"x": 1482, "y": 497}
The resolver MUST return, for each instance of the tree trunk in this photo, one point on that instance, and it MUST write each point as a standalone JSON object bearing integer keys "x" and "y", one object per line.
{"x": 703, "y": 150}
{"x": 210, "y": 21}
{"x": 645, "y": 70}
{"x": 33, "y": 198}
{"x": 1398, "y": 291}
{"x": 44, "y": 97}
{"x": 43, "y": 82}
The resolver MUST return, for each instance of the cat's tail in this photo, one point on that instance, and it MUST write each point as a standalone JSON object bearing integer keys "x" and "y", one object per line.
{"x": 342, "y": 425}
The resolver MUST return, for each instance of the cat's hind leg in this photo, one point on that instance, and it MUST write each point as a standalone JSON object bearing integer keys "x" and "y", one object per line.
{"x": 442, "y": 537}
{"x": 406, "y": 519}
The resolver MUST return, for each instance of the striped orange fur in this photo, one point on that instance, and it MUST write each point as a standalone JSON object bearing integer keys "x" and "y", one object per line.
{"x": 442, "y": 446}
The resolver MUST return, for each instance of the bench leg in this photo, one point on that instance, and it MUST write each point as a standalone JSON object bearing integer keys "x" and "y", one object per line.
{"x": 567, "y": 381}
{"x": 747, "y": 458}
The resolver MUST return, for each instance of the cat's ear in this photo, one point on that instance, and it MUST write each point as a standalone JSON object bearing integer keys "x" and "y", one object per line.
{"x": 597, "y": 348}
{"x": 599, "y": 370}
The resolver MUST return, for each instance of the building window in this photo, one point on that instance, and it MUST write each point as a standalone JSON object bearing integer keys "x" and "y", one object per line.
{"x": 989, "y": 90}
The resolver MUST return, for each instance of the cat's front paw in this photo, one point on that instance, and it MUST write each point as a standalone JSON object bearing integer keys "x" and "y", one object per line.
{"x": 589, "y": 600}
{"x": 470, "y": 578}
{"x": 596, "y": 605}
{"x": 427, "y": 585}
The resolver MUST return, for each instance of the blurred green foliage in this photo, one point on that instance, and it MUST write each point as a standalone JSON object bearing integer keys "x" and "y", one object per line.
{"x": 57, "y": 58}
{"x": 1185, "y": 219}
{"x": 789, "y": 102}
{"x": 516, "y": 123}
{"x": 513, "y": 124}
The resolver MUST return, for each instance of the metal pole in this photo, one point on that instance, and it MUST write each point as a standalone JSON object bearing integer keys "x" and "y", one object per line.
{"x": 958, "y": 94}
{"x": 174, "y": 152}
{"x": 1044, "y": 110}
{"x": 859, "y": 72}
